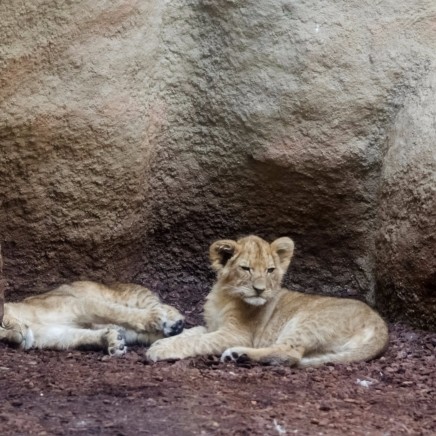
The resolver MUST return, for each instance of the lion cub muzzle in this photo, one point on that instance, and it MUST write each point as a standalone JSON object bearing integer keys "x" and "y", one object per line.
{"x": 259, "y": 286}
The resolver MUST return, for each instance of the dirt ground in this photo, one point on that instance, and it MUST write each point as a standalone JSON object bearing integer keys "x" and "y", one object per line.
{"x": 73, "y": 392}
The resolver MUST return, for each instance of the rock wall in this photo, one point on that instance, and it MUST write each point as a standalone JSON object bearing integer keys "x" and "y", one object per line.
{"x": 134, "y": 133}
{"x": 406, "y": 238}
{"x": 77, "y": 130}
{"x": 2, "y": 289}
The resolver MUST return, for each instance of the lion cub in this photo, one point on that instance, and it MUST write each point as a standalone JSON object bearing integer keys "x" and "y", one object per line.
{"x": 249, "y": 316}
{"x": 90, "y": 315}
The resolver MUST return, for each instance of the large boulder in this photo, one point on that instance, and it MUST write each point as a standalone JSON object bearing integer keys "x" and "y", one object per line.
{"x": 2, "y": 289}
{"x": 406, "y": 240}
{"x": 135, "y": 133}
{"x": 77, "y": 126}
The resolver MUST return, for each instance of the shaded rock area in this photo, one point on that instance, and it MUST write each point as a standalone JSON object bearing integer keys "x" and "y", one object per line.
{"x": 133, "y": 134}
{"x": 87, "y": 393}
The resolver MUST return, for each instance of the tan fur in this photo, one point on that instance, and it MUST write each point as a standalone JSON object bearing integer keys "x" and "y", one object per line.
{"x": 88, "y": 314}
{"x": 249, "y": 316}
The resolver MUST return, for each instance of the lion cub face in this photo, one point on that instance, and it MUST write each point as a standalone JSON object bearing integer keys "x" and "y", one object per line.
{"x": 251, "y": 269}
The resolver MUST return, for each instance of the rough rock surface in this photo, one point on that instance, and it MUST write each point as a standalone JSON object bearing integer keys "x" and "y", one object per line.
{"x": 406, "y": 243}
{"x": 2, "y": 289}
{"x": 134, "y": 133}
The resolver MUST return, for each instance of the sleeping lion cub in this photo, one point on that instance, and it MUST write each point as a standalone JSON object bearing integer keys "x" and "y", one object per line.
{"x": 249, "y": 316}
{"x": 90, "y": 315}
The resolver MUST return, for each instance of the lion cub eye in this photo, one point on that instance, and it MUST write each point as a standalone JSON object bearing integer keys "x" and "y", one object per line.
{"x": 245, "y": 268}
{"x": 270, "y": 270}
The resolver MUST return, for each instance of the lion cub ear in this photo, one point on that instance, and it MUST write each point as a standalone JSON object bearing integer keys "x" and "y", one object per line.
{"x": 284, "y": 248}
{"x": 221, "y": 251}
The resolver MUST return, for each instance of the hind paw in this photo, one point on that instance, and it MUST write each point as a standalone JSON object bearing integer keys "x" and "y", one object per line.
{"x": 234, "y": 355}
{"x": 116, "y": 341}
{"x": 16, "y": 334}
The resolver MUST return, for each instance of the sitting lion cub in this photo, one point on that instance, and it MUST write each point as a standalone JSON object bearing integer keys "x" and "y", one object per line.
{"x": 249, "y": 316}
{"x": 87, "y": 314}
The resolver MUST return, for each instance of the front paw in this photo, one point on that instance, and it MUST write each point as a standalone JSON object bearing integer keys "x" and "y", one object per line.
{"x": 235, "y": 354}
{"x": 172, "y": 322}
{"x": 163, "y": 350}
{"x": 173, "y": 328}
{"x": 164, "y": 320}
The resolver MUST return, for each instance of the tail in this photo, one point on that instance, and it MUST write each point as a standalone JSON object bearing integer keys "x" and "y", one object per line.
{"x": 321, "y": 359}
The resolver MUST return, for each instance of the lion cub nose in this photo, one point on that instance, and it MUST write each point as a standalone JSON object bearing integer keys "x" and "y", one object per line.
{"x": 258, "y": 288}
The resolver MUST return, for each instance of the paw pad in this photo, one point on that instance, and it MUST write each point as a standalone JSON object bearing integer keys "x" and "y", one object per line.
{"x": 174, "y": 329}
{"x": 116, "y": 343}
{"x": 117, "y": 351}
{"x": 234, "y": 356}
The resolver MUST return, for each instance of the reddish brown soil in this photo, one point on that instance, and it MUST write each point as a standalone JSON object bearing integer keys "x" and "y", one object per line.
{"x": 48, "y": 392}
